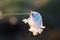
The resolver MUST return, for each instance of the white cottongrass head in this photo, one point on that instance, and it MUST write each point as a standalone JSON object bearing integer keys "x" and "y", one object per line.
{"x": 35, "y": 22}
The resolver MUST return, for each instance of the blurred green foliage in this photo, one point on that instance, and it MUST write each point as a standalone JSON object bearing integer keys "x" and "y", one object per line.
{"x": 17, "y": 5}
{"x": 22, "y": 5}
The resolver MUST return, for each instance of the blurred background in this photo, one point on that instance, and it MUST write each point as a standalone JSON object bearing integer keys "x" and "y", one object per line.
{"x": 12, "y": 27}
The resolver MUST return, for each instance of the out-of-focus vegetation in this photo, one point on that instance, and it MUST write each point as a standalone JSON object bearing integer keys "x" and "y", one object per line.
{"x": 13, "y": 5}
{"x": 22, "y": 5}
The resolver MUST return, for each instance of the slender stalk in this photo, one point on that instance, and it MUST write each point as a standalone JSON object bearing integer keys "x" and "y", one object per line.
{"x": 15, "y": 14}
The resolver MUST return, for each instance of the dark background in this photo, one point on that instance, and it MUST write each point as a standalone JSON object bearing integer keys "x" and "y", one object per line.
{"x": 51, "y": 18}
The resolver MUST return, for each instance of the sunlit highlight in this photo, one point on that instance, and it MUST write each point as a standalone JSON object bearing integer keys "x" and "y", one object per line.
{"x": 35, "y": 22}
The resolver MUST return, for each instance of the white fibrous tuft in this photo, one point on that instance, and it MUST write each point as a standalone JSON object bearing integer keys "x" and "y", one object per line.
{"x": 35, "y": 23}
